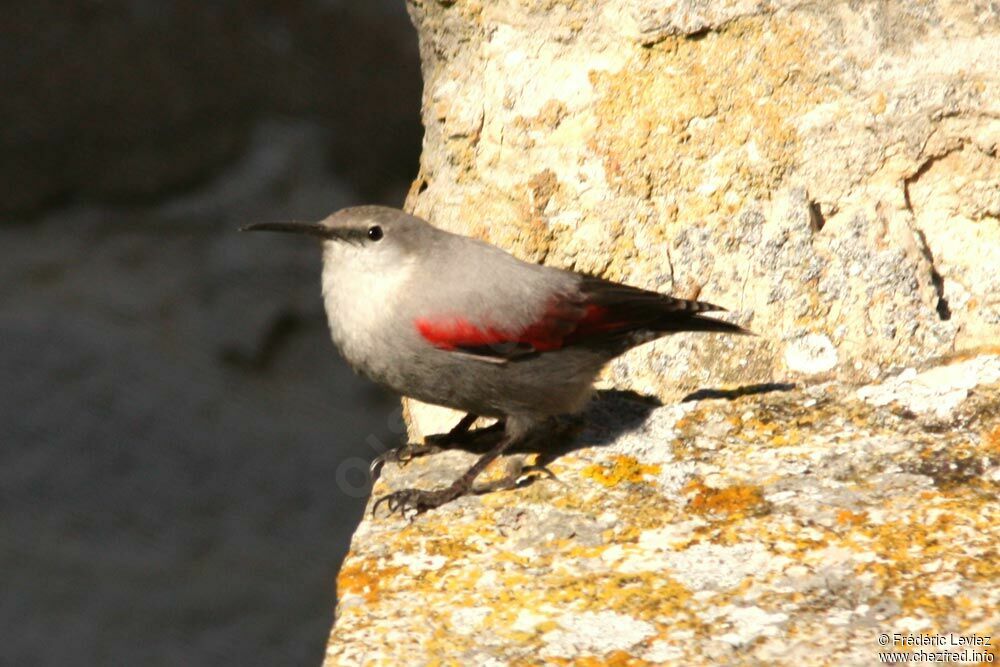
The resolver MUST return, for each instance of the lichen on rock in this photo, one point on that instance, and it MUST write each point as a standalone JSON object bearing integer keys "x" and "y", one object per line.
{"x": 818, "y": 169}
{"x": 788, "y": 527}
{"x": 828, "y": 172}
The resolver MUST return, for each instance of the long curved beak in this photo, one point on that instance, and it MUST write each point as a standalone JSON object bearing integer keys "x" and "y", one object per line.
{"x": 307, "y": 228}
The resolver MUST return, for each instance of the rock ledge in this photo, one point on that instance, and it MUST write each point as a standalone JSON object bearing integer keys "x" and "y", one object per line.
{"x": 782, "y": 526}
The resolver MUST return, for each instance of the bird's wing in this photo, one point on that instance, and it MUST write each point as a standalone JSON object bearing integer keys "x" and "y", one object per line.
{"x": 491, "y": 342}
{"x": 596, "y": 312}
{"x": 620, "y": 309}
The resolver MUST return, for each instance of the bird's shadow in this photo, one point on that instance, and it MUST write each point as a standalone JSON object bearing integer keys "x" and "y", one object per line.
{"x": 732, "y": 394}
{"x": 611, "y": 414}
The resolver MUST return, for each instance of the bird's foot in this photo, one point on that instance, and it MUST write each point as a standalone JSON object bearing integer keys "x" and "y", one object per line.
{"x": 518, "y": 475}
{"x": 417, "y": 500}
{"x": 401, "y": 455}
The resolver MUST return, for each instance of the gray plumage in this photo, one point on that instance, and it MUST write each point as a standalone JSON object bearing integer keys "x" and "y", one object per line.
{"x": 453, "y": 321}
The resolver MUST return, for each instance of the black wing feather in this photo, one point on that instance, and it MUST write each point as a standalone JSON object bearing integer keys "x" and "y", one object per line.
{"x": 640, "y": 309}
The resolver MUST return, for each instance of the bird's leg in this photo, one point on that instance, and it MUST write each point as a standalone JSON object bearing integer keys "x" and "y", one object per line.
{"x": 457, "y": 434}
{"x": 419, "y": 500}
{"x": 463, "y": 426}
{"x": 517, "y": 473}
{"x": 463, "y": 436}
{"x": 431, "y": 445}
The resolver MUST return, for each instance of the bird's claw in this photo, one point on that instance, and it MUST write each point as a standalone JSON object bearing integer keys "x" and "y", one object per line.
{"x": 413, "y": 500}
{"x": 419, "y": 501}
{"x": 537, "y": 469}
{"x": 516, "y": 478}
{"x": 401, "y": 455}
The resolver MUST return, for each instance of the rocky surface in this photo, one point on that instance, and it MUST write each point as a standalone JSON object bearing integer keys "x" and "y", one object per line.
{"x": 827, "y": 171}
{"x": 184, "y": 455}
{"x": 763, "y": 525}
{"x": 129, "y": 100}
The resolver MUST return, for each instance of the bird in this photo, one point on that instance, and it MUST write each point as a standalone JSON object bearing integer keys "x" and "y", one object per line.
{"x": 453, "y": 321}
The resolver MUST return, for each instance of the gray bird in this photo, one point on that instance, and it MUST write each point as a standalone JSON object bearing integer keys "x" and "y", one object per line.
{"x": 453, "y": 321}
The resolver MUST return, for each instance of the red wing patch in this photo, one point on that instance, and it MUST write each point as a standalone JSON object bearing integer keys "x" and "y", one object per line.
{"x": 561, "y": 324}
{"x": 601, "y": 312}
{"x": 455, "y": 332}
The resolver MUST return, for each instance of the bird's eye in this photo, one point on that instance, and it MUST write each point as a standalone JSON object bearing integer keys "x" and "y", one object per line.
{"x": 374, "y": 232}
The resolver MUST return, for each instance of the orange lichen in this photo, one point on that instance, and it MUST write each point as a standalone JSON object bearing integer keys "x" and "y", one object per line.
{"x": 911, "y": 547}
{"x": 621, "y": 469}
{"x": 613, "y": 659}
{"x": 846, "y": 517}
{"x": 789, "y": 437}
{"x": 735, "y": 501}
{"x": 655, "y": 113}
{"x": 917, "y": 540}
{"x": 356, "y": 579}
{"x": 991, "y": 442}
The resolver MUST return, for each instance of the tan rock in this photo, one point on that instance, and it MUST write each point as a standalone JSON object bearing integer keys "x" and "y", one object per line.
{"x": 818, "y": 169}
{"x": 829, "y": 172}
{"x": 777, "y": 528}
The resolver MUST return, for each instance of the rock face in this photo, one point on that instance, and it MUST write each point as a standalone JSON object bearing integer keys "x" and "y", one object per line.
{"x": 129, "y": 99}
{"x": 183, "y": 457}
{"x": 781, "y": 528}
{"x": 175, "y": 421}
{"x": 827, "y": 171}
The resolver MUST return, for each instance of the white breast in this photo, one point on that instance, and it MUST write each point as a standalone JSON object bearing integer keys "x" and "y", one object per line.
{"x": 361, "y": 293}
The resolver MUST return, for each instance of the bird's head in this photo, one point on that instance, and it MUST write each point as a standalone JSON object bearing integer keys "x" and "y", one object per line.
{"x": 362, "y": 238}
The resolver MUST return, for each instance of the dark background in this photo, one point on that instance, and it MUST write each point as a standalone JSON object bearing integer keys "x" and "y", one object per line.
{"x": 181, "y": 450}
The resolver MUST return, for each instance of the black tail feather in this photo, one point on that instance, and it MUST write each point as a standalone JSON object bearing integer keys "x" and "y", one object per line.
{"x": 700, "y": 323}
{"x": 643, "y": 309}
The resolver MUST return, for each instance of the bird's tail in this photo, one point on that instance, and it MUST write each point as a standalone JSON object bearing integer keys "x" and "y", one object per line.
{"x": 699, "y": 322}
{"x": 630, "y": 309}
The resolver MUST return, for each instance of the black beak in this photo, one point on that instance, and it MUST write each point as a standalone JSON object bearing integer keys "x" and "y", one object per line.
{"x": 310, "y": 229}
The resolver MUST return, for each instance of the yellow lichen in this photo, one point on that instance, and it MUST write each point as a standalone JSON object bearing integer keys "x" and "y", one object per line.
{"x": 676, "y": 119}
{"x": 846, "y": 517}
{"x": 366, "y": 580}
{"x": 620, "y": 469}
{"x": 991, "y": 443}
{"x": 732, "y": 501}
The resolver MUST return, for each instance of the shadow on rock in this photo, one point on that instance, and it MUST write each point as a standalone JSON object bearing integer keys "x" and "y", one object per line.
{"x": 738, "y": 392}
{"x": 611, "y": 414}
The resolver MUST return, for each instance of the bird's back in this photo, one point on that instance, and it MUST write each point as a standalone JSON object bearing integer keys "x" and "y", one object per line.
{"x": 458, "y": 322}
{"x": 482, "y": 331}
